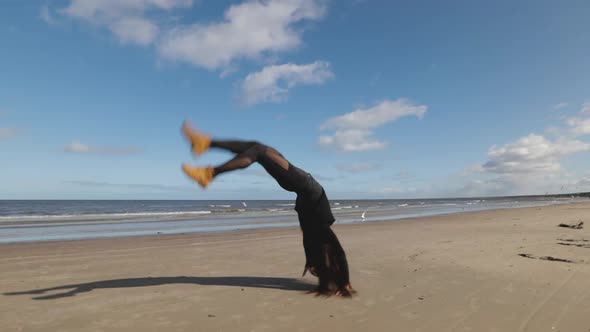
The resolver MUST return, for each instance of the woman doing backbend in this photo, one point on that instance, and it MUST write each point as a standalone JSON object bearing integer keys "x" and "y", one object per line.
{"x": 324, "y": 255}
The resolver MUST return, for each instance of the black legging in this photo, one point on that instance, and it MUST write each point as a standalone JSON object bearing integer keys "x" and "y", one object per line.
{"x": 288, "y": 176}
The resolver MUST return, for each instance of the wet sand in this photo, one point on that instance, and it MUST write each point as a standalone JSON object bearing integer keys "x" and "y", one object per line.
{"x": 503, "y": 270}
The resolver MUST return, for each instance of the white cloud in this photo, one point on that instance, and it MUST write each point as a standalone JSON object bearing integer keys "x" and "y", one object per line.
{"x": 536, "y": 183}
{"x": 134, "y": 30}
{"x": 500, "y": 186}
{"x": 138, "y": 186}
{"x": 559, "y": 106}
{"x": 94, "y": 9}
{"x": 396, "y": 191}
{"x": 272, "y": 83}
{"x": 352, "y": 140}
{"x": 532, "y": 164}
{"x": 6, "y": 133}
{"x": 80, "y": 148}
{"x": 359, "y": 167}
{"x": 531, "y": 154}
{"x": 354, "y": 131}
{"x": 580, "y": 125}
{"x": 378, "y": 115}
{"x": 127, "y": 19}
{"x": 45, "y": 15}
{"x": 248, "y": 30}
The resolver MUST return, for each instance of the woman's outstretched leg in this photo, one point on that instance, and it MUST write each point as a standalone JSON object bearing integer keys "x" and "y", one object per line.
{"x": 204, "y": 175}
{"x": 201, "y": 142}
{"x": 247, "y": 153}
{"x": 272, "y": 161}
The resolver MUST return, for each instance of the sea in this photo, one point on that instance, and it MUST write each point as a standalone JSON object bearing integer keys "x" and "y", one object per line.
{"x": 51, "y": 220}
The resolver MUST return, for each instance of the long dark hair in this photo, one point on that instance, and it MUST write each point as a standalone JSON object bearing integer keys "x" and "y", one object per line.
{"x": 326, "y": 260}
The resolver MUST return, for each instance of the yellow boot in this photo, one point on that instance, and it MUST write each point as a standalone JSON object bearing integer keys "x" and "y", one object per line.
{"x": 200, "y": 142}
{"x": 203, "y": 175}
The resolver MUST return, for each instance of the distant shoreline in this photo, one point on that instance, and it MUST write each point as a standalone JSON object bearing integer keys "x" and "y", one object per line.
{"x": 99, "y": 229}
{"x": 562, "y": 195}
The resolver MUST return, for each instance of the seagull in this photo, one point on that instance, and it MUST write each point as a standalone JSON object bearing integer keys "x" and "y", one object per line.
{"x": 244, "y": 204}
{"x": 363, "y": 215}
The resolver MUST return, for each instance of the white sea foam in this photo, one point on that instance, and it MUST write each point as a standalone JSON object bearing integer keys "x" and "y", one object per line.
{"x": 103, "y": 215}
{"x": 23, "y": 221}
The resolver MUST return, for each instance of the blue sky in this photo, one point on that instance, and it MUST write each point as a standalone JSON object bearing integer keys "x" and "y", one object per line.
{"x": 377, "y": 99}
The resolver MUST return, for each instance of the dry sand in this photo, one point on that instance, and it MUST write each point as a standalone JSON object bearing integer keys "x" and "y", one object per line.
{"x": 458, "y": 272}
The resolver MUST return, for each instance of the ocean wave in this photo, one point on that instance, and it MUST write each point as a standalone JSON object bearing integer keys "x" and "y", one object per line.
{"x": 342, "y": 207}
{"x": 223, "y": 205}
{"x": 103, "y": 215}
{"x": 227, "y": 211}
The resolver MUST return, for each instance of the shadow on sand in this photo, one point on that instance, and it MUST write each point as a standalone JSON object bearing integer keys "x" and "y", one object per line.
{"x": 251, "y": 282}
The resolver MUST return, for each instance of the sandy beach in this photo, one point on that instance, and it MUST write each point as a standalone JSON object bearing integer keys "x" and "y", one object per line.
{"x": 496, "y": 270}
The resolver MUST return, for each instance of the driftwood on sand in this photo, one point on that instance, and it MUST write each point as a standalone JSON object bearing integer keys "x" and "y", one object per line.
{"x": 578, "y": 225}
